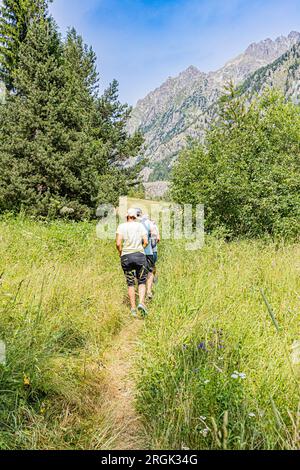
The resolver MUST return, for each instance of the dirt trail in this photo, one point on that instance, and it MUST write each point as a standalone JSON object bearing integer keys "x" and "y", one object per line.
{"x": 119, "y": 389}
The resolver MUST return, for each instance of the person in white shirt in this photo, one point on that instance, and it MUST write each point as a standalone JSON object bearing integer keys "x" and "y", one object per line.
{"x": 131, "y": 240}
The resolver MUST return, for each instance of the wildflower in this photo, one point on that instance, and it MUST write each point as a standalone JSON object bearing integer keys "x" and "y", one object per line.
{"x": 204, "y": 432}
{"x": 203, "y": 418}
{"x": 206, "y": 382}
{"x": 202, "y": 346}
{"x": 26, "y": 380}
{"x": 252, "y": 415}
{"x": 238, "y": 375}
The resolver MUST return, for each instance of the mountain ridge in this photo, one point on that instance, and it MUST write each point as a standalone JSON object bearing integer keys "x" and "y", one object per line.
{"x": 179, "y": 107}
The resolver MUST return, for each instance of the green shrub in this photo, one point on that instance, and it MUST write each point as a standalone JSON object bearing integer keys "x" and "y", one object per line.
{"x": 247, "y": 175}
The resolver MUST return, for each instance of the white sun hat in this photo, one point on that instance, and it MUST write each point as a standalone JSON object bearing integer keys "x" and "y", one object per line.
{"x": 132, "y": 213}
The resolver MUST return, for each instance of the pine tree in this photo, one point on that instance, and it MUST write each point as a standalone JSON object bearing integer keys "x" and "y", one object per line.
{"x": 60, "y": 145}
{"x": 27, "y": 166}
{"x": 109, "y": 127}
{"x": 15, "y": 19}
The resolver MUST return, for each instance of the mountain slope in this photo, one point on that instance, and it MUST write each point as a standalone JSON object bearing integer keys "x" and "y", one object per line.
{"x": 283, "y": 74}
{"x": 180, "y": 107}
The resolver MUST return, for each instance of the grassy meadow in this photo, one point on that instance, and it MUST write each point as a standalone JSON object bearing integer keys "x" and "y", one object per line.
{"x": 213, "y": 371}
{"x": 211, "y": 368}
{"x": 61, "y": 301}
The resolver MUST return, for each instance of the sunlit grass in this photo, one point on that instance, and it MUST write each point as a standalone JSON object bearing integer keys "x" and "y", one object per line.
{"x": 61, "y": 302}
{"x": 213, "y": 371}
{"x": 213, "y": 366}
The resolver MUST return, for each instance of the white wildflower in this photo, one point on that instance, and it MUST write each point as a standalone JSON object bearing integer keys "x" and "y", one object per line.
{"x": 204, "y": 432}
{"x": 237, "y": 375}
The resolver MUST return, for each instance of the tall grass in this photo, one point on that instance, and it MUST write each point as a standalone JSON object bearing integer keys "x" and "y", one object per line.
{"x": 213, "y": 371}
{"x": 61, "y": 302}
{"x": 213, "y": 366}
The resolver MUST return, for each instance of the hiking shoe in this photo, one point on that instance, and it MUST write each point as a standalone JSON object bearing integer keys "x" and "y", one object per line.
{"x": 143, "y": 310}
{"x": 134, "y": 313}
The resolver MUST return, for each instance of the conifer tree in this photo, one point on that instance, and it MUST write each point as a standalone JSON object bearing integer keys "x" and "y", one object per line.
{"x": 60, "y": 145}
{"x": 15, "y": 19}
{"x": 26, "y": 151}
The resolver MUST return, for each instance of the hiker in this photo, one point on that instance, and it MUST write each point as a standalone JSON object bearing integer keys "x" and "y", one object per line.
{"x": 146, "y": 222}
{"x": 131, "y": 240}
{"x": 155, "y": 240}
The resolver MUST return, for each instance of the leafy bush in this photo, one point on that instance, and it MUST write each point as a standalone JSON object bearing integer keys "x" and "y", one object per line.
{"x": 248, "y": 173}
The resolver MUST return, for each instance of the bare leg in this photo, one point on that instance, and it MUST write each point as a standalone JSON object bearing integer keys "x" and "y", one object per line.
{"x": 131, "y": 294}
{"x": 150, "y": 283}
{"x": 142, "y": 293}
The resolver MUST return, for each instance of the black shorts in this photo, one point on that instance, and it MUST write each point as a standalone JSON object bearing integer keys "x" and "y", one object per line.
{"x": 150, "y": 263}
{"x": 134, "y": 266}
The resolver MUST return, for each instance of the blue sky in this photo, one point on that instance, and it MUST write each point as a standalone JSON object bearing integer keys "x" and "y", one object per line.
{"x": 143, "y": 42}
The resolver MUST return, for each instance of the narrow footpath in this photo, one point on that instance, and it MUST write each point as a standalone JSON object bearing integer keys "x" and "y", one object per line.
{"x": 119, "y": 390}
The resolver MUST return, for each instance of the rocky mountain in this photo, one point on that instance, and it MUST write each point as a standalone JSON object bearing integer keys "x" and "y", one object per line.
{"x": 181, "y": 106}
{"x": 283, "y": 74}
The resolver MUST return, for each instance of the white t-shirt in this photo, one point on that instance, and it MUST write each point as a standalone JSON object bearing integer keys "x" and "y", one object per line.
{"x": 132, "y": 234}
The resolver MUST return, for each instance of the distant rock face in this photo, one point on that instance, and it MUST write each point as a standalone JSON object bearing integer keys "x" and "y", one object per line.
{"x": 180, "y": 107}
{"x": 282, "y": 74}
{"x": 156, "y": 190}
